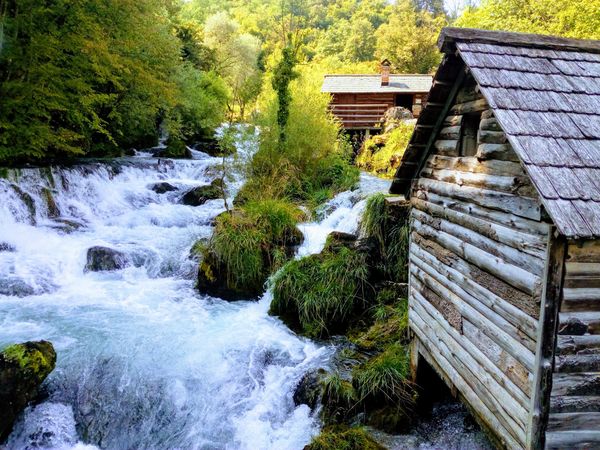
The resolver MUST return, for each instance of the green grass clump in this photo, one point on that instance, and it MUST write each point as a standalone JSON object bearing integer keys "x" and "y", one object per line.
{"x": 390, "y": 327}
{"x": 392, "y": 236}
{"x": 385, "y": 378}
{"x": 322, "y": 292}
{"x": 344, "y": 438}
{"x": 251, "y": 242}
{"x": 381, "y": 154}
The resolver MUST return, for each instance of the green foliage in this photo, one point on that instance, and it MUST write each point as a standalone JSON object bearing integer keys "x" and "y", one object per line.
{"x": 409, "y": 39}
{"x": 344, "y": 438}
{"x": 579, "y": 20}
{"x": 36, "y": 359}
{"x": 385, "y": 377}
{"x": 85, "y": 78}
{"x": 322, "y": 292}
{"x": 250, "y": 241}
{"x": 381, "y": 154}
{"x": 390, "y": 327}
{"x": 391, "y": 233}
{"x": 283, "y": 74}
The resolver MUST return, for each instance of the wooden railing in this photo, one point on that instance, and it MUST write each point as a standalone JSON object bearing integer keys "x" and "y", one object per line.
{"x": 357, "y": 115}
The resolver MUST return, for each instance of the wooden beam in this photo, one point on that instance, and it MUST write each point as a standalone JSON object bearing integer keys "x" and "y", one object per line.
{"x": 441, "y": 115}
{"x": 546, "y": 341}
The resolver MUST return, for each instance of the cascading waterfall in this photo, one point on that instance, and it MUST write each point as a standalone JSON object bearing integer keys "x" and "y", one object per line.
{"x": 144, "y": 361}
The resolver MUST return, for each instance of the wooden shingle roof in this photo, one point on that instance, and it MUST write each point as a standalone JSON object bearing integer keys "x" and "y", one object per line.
{"x": 545, "y": 93}
{"x": 366, "y": 84}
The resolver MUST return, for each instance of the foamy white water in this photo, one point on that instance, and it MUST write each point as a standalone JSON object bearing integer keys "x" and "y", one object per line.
{"x": 144, "y": 361}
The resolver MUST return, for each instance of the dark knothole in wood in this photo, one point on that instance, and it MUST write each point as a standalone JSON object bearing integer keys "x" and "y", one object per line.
{"x": 468, "y": 134}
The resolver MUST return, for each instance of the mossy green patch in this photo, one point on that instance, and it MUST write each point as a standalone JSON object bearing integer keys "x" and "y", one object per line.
{"x": 390, "y": 327}
{"x": 344, "y": 438}
{"x": 36, "y": 359}
{"x": 323, "y": 292}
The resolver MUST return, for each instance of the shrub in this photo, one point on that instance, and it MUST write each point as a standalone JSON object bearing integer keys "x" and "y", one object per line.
{"x": 391, "y": 326}
{"x": 381, "y": 154}
{"x": 344, "y": 438}
{"x": 320, "y": 293}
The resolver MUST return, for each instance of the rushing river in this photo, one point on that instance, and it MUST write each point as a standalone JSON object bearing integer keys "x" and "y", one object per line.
{"x": 144, "y": 360}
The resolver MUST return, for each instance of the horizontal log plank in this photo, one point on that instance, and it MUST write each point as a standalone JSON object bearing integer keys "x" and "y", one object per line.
{"x": 514, "y": 204}
{"x": 584, "y": 403}
{"x": 587, "y": 383}
{"x": 531, "y": 244}
{"x": 509, "y": 273}
{"x": 572, "y": 440}
{"x": 525, "y": 261}
{"x": 472, "y": 164}
{"x": 469, "y": 107}
{"x": 574, "y": 421}
{"x": 585, "y": 252}
{"x": 571, "y": 345}
{"x": 525, "y": 326}
{"x": 577, "y": 363}
{"x": 591, "y": 320}
{"x": 446, "y": 147}
{"x": 518, "y": 185}
{"x": 500, "y": 217}
{"x": 502, "y": 152}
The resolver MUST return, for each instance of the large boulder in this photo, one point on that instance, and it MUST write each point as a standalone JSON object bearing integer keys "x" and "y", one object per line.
{"x": 6, "y": 247}
{"x": 162, "y": 187}
{"x": 23, "y": 368}
{"x": 201, "y": 194}
{"x": 103, "y": 258}
{"x": 175, "y": 149}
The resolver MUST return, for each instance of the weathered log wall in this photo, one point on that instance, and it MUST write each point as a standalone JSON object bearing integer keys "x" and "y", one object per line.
{"x": 574, "y": 420}
{"x": 477, "y": 256}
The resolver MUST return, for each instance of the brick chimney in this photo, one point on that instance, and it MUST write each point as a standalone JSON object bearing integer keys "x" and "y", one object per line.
{"x": 385, "y": 72}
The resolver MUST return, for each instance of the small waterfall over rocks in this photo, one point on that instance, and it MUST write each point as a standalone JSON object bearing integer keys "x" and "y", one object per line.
{"x": 144, "y": 361}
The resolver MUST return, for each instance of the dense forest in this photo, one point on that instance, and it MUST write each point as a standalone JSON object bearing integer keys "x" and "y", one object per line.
{"x": 96, "y": 77}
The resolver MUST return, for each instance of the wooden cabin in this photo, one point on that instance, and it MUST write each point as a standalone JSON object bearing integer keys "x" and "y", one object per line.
{"x": 503, "y": 176}
{"x": 360, "y": 101}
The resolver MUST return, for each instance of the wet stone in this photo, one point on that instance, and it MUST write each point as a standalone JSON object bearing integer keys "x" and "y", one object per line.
{"x": 162, "y": 187}
{"x": 104, "y": 259}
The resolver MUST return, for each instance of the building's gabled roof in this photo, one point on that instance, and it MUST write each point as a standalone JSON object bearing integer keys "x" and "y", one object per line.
{"x": 545, "y": 94}
{"x": 358, "y": 84}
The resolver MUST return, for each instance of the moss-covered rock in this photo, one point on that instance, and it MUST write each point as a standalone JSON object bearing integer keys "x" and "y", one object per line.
{"x": 52, "y": 207}
{"x": 201, "y": 194}
{"x": 344, "y": 438}
{"x": 248, "y": 244}
{"x": 176, "y": 149}
{"x": 23, "y": 368}
{"x": 309, "y": 390}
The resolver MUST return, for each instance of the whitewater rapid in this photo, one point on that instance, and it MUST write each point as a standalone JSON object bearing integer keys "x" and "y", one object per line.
{"x": 144, "y": 360}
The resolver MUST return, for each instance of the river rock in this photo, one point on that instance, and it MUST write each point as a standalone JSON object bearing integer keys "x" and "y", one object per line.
{"x": 162, "y": 187}
{"x": 212, "y": 148}
{"x": 15, "y": 287}
{"x": 103, "y": 258}
{"x": 201, "y": 194}
{"x": 6, "y": 247}
{"x": 23, "y": 368}
{"x": 309, "y": 389}
{"x": 175, "y": 149}
{"x": 338, "y": 239}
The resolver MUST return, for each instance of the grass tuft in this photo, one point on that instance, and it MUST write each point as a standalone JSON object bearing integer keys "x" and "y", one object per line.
{"x": 322, "y": 291}
{"x": 344, "y": 438}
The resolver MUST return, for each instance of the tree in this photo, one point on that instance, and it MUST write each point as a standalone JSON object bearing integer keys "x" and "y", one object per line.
{"x": 409, "y": 39}
{"x": 283, "y": 74}
{"x": 579, "y": 20}
{"x": 236, "y": 57}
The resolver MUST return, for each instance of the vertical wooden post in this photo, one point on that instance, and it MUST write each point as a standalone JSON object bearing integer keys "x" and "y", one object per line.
{"x": 546, "y": 340}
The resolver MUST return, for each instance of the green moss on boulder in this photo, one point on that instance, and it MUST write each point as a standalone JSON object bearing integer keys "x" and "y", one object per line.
{"x": 344, "y": 438}
{"x": 23, "y": 368}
